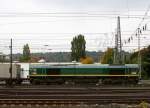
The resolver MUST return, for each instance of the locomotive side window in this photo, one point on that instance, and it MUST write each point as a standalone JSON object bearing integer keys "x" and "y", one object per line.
{"x": 53, "y": 71}
{"x": 117, "y": 71}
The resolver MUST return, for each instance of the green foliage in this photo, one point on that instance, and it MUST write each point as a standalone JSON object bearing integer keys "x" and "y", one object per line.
{"x": 107, "y": 58}
{"x": 26, "y": 54}
{"x": 146, "y": 60}
{"x": 134, "y": 58}
{"x": 78, "y": 48}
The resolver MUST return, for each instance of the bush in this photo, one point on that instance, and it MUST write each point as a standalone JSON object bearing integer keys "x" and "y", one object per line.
{"x": 87, "y": 60}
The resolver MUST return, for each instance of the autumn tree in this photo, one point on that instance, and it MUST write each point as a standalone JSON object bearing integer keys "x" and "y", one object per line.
{"x": 87, "y": 60}
{"x": 78, "y": 48}
{"x": 107, "y": 58}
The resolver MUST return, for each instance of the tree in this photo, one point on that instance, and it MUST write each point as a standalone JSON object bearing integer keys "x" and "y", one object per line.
{"x": 145, "y": 61}
{"x": 26, "y": 53}
{"x": 78, "y": 48}
{"x": 107, "y": 58}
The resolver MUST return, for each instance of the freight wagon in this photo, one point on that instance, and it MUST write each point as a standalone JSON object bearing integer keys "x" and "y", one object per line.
{"x": 5, "y": 73}
{"x": 83, "y": 73}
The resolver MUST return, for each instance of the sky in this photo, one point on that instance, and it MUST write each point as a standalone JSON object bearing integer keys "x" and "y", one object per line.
{"x": 50, "y": 25}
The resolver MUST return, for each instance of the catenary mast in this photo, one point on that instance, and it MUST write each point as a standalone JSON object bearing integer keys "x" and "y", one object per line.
{"x": 118, "y": 45}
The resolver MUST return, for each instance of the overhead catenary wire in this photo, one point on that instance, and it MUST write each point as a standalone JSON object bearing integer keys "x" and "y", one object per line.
{"x": 144, "y": 17}
{"x": 70, "y": 14}
{"x": 59, "y": 15}
{"x": 128, "y": 40}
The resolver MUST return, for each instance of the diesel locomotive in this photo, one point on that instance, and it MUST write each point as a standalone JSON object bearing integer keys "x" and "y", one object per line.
{"x": 83, "y": 73}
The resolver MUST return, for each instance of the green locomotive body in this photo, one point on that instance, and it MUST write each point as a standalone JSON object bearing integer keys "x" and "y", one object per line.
{"x": 87, "y": 73}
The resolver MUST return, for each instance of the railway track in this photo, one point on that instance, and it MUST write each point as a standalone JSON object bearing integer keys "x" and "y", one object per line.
{"x": 74, "y": 95}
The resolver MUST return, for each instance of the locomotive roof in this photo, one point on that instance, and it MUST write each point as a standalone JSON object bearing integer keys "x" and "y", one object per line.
{"x": 82, "y": 66}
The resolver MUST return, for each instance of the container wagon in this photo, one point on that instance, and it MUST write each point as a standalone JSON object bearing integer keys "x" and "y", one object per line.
{"x": 5, "y": 73}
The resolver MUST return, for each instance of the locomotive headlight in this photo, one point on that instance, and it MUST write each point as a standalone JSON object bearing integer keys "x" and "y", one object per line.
{"x": 34, "y": 72}
{"x": 133, "y": 73}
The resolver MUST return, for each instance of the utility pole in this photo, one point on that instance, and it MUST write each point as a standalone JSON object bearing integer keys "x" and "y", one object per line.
{"x": 139, "y": 54}
{"x": 10, "y": 62}
{"x": 118, "y": 44}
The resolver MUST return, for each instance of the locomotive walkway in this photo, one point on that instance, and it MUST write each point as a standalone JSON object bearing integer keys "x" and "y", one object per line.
{"x": 74, "y": 95}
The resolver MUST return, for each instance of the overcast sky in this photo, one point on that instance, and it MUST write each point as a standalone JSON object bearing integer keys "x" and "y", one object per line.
{"x": 51, "y": 24}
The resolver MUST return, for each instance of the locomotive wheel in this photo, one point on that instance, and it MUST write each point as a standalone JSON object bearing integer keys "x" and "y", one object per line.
{"x": 9, "y": 82}
{"x": 106, "y": 81}
{"x": 69, "y": 82}
{"x": 34, "y": 82}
